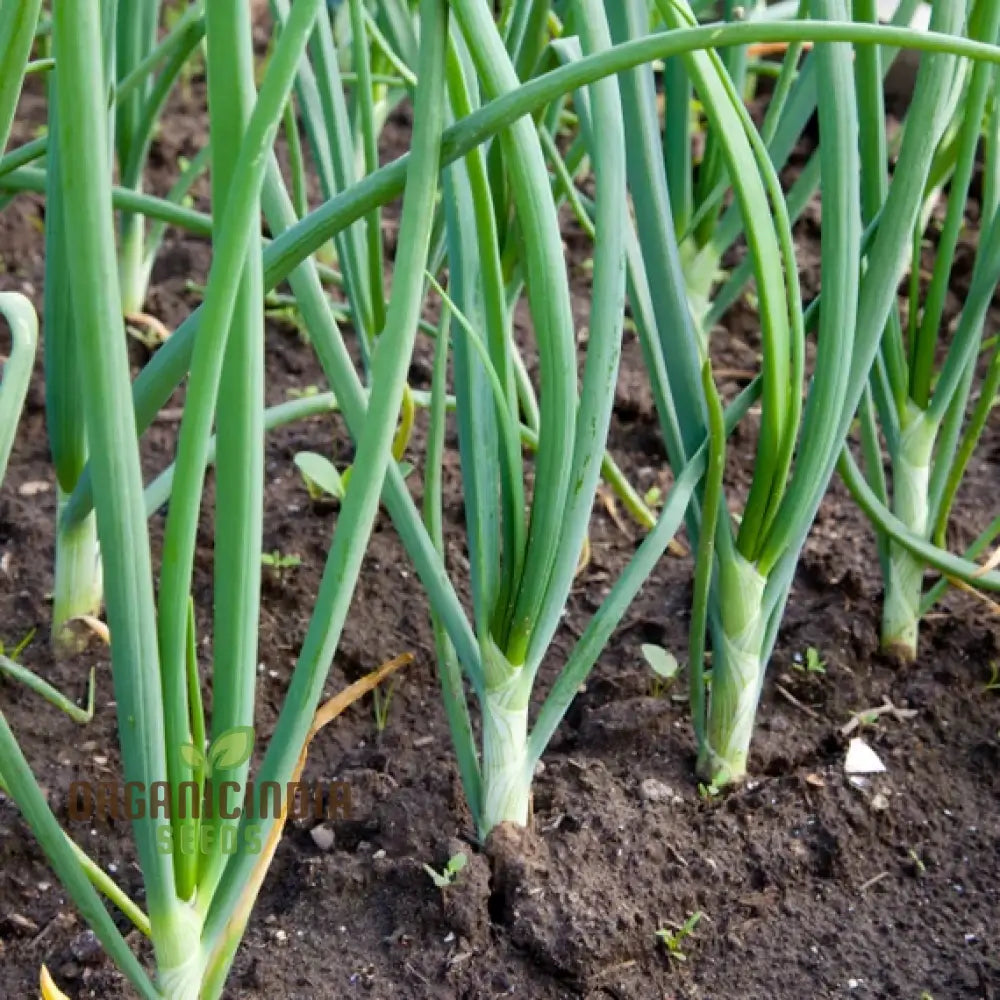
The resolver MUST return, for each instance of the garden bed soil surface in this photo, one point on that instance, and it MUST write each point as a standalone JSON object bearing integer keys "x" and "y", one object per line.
{"x": 808, "y": 886}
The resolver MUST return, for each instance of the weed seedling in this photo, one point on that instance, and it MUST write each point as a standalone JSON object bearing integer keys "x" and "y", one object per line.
{"x": 813, "y": 664}
{"x": 447, "y": 877}
{"x": 278, "y": 561}
{"x": 673, "y": 939}
{"x": 17, "y": 650}
{"x": 707, "y": 792}
{"x": 664, "y": 665}
{"x": 381, "y": 701}
{"x": 321, "y": 476}
{"x": 993, "y": 684}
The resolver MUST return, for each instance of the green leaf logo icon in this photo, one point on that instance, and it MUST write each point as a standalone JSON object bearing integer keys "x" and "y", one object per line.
{"x": 192, "y": 756}
{"x": 231, "y": 748}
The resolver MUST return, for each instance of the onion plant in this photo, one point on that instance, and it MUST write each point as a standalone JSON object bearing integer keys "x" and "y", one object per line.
{"x": 78, "y": 586}
{"x": 697, "y": 183}
{"x": 136, "y": 26}
{"x": 198, "y": 904}
{"x": 130, "y": 50}
{"x": 77, "y": 590}
{"x": 746, "y": 563}
{"x": 342, "y": 136}
{"x": 924, "y": 401}
{"x": 135, "y": 45}
{"x": 521, "y": 572}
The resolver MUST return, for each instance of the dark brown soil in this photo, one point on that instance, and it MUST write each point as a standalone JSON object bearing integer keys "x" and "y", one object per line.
{"x": 808, "y": 885}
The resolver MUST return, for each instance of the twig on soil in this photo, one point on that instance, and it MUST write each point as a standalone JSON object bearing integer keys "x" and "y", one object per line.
{"x": 871, "y": 714}
{"x": 617, "y": 967}
{"x": 873, "y": 881}
{"x": 788, "y": 696}
{"x": 413, "y": 972}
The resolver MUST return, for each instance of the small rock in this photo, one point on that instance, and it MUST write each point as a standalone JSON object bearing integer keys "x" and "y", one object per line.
{"x": 86, "y": 949}
{"x": 654, "y": 790}
{"x": 861, "y": 759}
{"x": 880, "y": 802}
{"x": 323, "y": 837}
{"x": 33, "y": 487}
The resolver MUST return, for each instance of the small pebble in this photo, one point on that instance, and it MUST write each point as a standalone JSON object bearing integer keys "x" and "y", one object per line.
{"x": 323, "y": 837}
{"x": 86, "y": 949}
{"x": 654, "y": 790}
{"x": 33, "y": 487}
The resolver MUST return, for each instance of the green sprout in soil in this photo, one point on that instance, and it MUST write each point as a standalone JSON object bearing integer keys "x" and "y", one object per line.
{"x": 278, "y": 561}
{"x": 664, "y": 666}
{"x": 381, "y": 702}
{"x": 321, "y": 476}
{"x": 813, "y": 663}
{"x": 447, "y": 876}
{"x": 919, "y": 868}
{"x": 673, "y": 939}
{"x": 993, "y": 684}
{"x": 707, "y": 792}
{"x": 10, "y": 667}
{"x": 19, "y": 648}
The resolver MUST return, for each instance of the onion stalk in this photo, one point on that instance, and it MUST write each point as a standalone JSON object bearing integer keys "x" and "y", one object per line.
{"x": 754, "y": 563}
{"x": 924, "y": 400}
